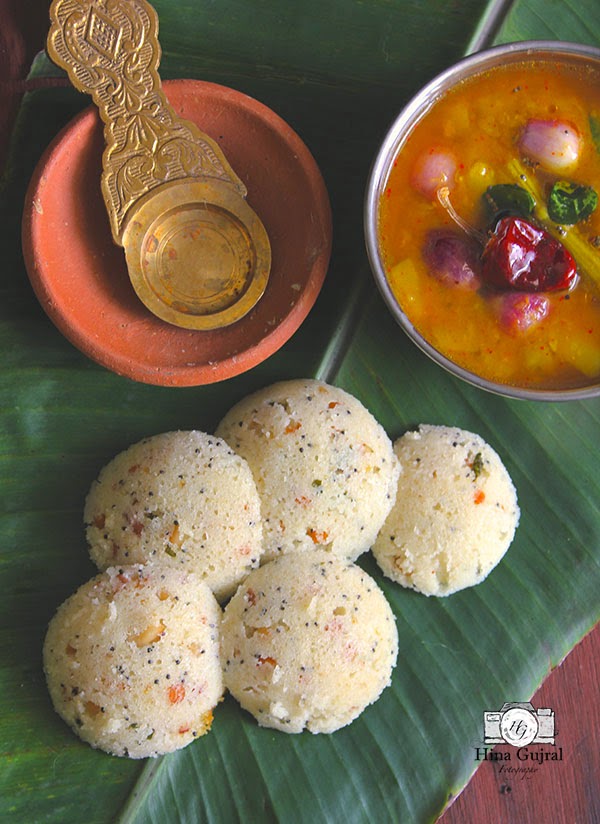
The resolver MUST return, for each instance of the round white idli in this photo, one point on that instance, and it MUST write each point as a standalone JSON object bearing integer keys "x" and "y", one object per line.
{"x": 324, "y": 467}
{"x": 183, "y": 499}
{"x": 132, "y": 660}
{"x": 308, "y": 642}
{"x": 455, "y": 513}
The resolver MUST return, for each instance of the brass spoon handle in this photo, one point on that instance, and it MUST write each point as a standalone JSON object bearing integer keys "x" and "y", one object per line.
{"x": 110, "y": 50}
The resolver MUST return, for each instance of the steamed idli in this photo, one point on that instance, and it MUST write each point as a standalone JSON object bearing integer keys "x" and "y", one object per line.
{"x": 308, "y": 642}
{"x": 455, "y": 513}
{"x": 183, "y": 499}
{"x": 324, "y": 467}
{"x": 132, "y": 660}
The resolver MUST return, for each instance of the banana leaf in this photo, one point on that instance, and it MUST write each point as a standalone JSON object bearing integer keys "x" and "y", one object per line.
{"x": 338, "y": 72}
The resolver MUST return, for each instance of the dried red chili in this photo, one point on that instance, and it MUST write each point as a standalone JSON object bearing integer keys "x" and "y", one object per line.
{"x": 522, "y": 256}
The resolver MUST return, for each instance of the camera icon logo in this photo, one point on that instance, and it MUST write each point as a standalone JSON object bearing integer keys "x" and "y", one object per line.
{"x": 519, "y": 724}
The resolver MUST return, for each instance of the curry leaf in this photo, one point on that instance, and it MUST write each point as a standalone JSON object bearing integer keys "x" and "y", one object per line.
{"x": 569, "y": 203}
{"x": 508, "y": 199}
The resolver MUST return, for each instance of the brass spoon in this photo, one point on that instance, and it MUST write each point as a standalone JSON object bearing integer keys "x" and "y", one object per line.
{"x": 198, "y": 256}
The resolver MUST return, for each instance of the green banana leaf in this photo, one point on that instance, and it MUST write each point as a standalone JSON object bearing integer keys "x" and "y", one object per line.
{"x": 338, "y": 71}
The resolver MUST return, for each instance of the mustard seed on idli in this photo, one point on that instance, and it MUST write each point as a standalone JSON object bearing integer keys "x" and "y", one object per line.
{"x": 132, "y": 660}
{"x": 455, "y": 513}
{"x": 308, "y": 642}
{"x": 183, "y": 499}
{"x": 324, "y": 467}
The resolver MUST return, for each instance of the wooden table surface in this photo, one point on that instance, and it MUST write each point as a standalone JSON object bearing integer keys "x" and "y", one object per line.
{"x": 565, "y": 792}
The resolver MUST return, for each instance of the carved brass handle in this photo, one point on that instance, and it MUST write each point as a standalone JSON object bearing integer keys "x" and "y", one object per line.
{"x": 207, "y": 261}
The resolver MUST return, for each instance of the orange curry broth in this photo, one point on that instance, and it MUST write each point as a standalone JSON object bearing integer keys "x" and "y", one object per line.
{"x": 480, "y": 122}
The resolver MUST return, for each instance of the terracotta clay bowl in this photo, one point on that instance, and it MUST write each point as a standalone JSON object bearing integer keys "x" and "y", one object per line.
{"x": 80, "y": 276}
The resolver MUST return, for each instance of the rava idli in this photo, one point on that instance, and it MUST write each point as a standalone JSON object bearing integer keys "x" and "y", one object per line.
{"x": 308, "y": 642}
{"x": 455, "y": 513}
{"x": 324, "y": 467}
{"x": 132, "y": 660}
{"x": 182, "y": 499}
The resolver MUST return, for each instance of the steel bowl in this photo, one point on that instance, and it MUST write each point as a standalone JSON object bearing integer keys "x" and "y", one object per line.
{"x": 392, "y": 145}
